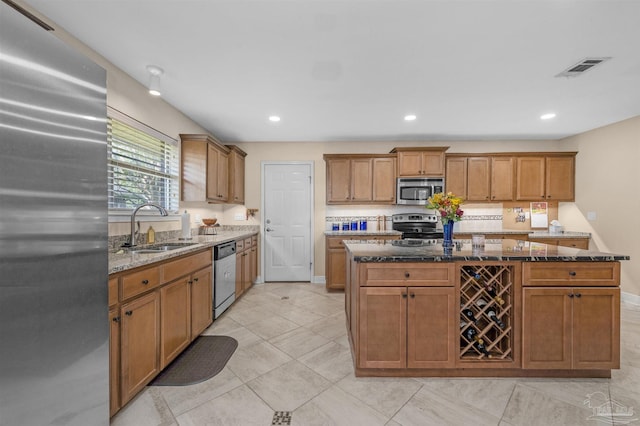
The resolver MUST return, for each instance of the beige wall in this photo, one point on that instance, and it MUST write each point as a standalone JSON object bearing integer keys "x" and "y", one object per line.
{"x": 607, "y": 173}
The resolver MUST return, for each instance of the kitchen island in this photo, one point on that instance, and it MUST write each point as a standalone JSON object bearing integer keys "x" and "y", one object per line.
{"x": 510, "y": 308}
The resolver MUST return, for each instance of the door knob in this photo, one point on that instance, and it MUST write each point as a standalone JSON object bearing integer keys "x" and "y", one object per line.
{"x": 268, "y": 229}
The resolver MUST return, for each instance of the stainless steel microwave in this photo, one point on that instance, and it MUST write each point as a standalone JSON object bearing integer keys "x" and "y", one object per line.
{"x": 416, "y": 191}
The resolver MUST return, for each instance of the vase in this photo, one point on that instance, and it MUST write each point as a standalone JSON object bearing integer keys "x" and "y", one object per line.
{"x": 447, "y": 239}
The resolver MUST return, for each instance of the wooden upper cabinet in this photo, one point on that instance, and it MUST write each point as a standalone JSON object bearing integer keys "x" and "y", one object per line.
{"x": 236, "y": 174}
{"x": 502, "y": 178}
{"x": 384, "y": 179}
{"x": 478, "y": 179}
{"x": 560, "y": 178}
{"x": 204, "y": 169}
{"x": 481, "y": 178}
{"x": 530, "y": 178}
{"x": 421, "y": 161}
{"x": 549, "y": 177}
{"x": 456, "y": 176}
{"x": 360, "y": 179}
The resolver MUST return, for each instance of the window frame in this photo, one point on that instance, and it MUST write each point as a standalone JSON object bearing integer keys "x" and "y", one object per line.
{"x": 117, "y": 214}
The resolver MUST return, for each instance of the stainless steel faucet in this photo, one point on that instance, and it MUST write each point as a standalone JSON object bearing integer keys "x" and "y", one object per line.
{"x": 132, "y": 238}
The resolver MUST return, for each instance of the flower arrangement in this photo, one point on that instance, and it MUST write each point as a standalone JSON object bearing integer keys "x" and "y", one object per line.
{"x": 448, "y": 205}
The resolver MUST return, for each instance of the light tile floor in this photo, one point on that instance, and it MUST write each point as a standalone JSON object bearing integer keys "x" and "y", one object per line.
{"x": 293, "y": 355}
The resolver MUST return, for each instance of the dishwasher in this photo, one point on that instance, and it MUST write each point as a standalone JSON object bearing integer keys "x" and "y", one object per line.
{"x": 224, "y": 277}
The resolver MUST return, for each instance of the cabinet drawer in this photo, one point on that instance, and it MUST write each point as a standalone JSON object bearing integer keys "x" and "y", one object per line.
{"x": 139, "y": 282}
{"x": 113, "y": 291}
{"x": 186, "y": 265}
{"x": 408, "y": 274}
{"x": 239, "y": 245}
{"x": 335, "y": 242}
{"x": 571, "y": 273}
{"x": 247, "y": 243}
{"x": 254, "y": 241}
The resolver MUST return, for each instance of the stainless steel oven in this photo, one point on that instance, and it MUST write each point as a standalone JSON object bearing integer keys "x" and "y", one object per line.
{"x": 416, "y": 191}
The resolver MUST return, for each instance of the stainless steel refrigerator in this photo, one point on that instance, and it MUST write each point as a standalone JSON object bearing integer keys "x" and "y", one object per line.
{"x": 54, "y": 335}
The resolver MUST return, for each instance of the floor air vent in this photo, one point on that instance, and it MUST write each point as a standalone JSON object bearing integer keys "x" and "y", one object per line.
{"x": 582, "y": 67}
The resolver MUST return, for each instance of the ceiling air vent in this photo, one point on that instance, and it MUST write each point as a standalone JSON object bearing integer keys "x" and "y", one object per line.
{"x": 582, "y": 67}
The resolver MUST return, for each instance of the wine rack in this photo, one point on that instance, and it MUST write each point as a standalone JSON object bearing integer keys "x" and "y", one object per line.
{"x": 486, "y": 312}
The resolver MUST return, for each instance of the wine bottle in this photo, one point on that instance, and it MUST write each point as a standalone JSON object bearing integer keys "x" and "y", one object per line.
{"x": 463, "y": 324}
{"x": 468, "y": 313}
{"x": 491, "y": 292}
{"x": 472, "y": 335}
{"x": 480, "y": 303}
{"x": 479, "y": 345}
{"x": 492, "y": 315}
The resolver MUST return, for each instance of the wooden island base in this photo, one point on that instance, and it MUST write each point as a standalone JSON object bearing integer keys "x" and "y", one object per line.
{"x": 500, "y": 313}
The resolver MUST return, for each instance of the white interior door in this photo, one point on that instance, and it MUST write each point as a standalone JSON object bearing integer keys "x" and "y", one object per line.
{"x": 287, "y": 225}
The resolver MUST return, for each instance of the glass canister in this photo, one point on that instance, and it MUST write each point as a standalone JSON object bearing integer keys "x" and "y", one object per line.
{"x": 354, "y": 225}
{"x": 363, "y": 224}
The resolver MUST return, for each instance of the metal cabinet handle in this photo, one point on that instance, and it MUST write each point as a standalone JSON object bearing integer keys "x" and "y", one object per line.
{"x": 407, "y": 275}
{"x": 404, "y": 295}
{"x": 578, "y": 295}
{"x": 571, "y": 295}
{"x": 413, "y": 295}
{"x": 116, "y": 319}
{"x": 195, "y": 279}
{"x": 190, "y": 282}
{"x": 128, "y": 313}
{"x": 572, "y": 273}
{"x": 145, "y": 282}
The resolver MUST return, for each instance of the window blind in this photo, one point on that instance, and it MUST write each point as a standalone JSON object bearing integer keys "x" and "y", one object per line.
{"x": 142, "y": 164}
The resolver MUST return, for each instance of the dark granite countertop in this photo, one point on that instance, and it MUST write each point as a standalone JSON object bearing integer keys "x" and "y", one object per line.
{"x": 498, "y": 250}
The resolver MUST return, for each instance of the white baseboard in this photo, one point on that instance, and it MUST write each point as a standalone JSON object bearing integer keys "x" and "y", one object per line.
{"x": 318, "y": 279}
{"x": 633, "y": 299}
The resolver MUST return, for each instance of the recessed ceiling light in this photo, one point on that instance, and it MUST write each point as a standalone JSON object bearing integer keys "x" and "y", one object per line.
{"x": 548, "y": 116}
{"x": 274, "y": 118}
{"x": 409, "y": 117}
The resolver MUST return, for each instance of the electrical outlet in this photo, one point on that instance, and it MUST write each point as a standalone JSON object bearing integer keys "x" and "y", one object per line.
{"x": 239, "y": 216}
{"x": 592, "y": 216}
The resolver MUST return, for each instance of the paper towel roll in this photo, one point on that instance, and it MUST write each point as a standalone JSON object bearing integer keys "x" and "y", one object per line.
{"x": 186, "y": 225}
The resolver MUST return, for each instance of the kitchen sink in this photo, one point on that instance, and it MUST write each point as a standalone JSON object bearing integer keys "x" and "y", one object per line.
{"x": 159, "y": 248}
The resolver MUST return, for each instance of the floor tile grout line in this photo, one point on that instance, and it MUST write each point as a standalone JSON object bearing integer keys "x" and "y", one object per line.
{"x": 504, "y": 410}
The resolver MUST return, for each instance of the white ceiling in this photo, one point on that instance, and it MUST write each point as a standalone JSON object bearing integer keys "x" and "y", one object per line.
{"x": 352, "y": 69}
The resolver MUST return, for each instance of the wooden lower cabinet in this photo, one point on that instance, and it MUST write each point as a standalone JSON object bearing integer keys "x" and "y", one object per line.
{"x": 407, "y": 327}
{"x": 114, "y": 361}
{"x": 253, "y": 262}
{"x": 201, "y": 300}
{"x": 140, "y": 343}
{"x": 335, "y": 258}
{"x": 246, "y": 264}
{"x": 149, "y": 328}
{"x": 175, "y": 322}
{"x": 571, "y": 328}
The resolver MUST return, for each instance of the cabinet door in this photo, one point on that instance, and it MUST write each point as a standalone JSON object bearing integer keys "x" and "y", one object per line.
{"x": 433, "y": 163}
{"x": 175, "y": 319}
{"x": 383, "y": 327}
{"x": 338, "y": 180}
{"x": 236, "y": 193}
{"x": 253, "y": 260}
{"x": 530, "y": 178}
{"x": 114, "y": 361}
{"x": 336, "y": 268}
{"x": 596, "y": 328}
{"x": 502, "y": 178}
{"x": 546, "y": 328}
{"x": 194, "y": 170}
{"x": 410, "y": 163}
{"x": 212, "y": 173}
{"x": 140, "y": 343}
{"x": 384, "y": 180}
{"x": 239, "y": 286}
{"x": 246, "y": 270}
{"x": 201, "y": 301}
{"x": 456, "y": 176}
{"x": 478, "y": 178}
{"x": 223, "y": 176}
{"x": 361, "y": 179}
{"x": 431, "y": 327}
{"x": 560, "y": 173}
